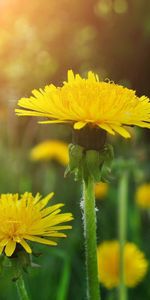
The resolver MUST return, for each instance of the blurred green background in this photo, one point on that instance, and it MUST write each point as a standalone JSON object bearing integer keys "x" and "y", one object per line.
{"x": 39, "y": 42}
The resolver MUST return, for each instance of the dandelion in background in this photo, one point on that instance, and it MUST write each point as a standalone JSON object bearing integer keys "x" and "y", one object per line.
{"x": 135, "y": 264}
{"x": 142, "y": 196}
{"x": 50, "y": 150}
{"x": 25, "y": 219}
{"x": 101, "y": 190}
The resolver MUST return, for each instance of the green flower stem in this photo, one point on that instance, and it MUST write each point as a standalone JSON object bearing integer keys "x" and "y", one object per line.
{"x": 122, "y": 199}
{"x": 22, "y": 292}
{"x": 93, "y": 292}
{"x": 63, "y": 286}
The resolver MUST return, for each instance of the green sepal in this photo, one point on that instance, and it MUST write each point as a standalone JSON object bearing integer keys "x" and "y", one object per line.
{"x": 75, "y": 158}
{"x": 34, "y": 265}
{"x": 24, "y": 260}
{"x": 36, "y": 254}
{"x": 78, "y": 173}
{"x": 108, "y": 156}
{"x": 94, "y": 163}
{"x": 99, "y": 163}
{"x": 84, "y": 163}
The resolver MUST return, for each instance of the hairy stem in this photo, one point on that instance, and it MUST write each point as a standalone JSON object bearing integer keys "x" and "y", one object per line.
{"x": 93, "y": 292}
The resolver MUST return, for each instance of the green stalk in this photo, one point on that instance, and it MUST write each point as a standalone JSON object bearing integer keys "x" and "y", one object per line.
{"x": 64, "y": 282}
{"x": 22, "y": 292}
{"x": 122, "y": 217}
{"x": 93, "y": 292}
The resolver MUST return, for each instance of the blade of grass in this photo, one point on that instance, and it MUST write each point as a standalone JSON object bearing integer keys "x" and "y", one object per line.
{"x": 63, "y": 285}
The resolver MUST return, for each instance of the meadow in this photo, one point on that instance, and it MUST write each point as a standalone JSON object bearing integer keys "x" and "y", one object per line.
{"x": 39, "y": 42}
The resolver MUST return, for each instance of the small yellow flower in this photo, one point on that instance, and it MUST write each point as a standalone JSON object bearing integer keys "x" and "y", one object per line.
{"x": 88, "y": 101}
{"x": 27, "y": 218}
{"x": 101, "y": 190}
{"x": 143, "y": 195}
{"x": 135, "y": 264}
{"x": 51, "y": 149}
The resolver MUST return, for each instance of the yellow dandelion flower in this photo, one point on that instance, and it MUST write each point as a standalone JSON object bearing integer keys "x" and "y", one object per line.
{"x": 135, "y": 264}
{"x": 101, "y": 190}
{"x": 26, "y": 218}
{"x": 88, "y": 101}
{"x": 143, "y": 195}
{"x": 51, "y": 149}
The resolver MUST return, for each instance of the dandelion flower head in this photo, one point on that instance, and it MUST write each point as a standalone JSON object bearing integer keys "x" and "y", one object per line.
{"x": 49, "y": 150}
{"x": 90, "y": 102}
{"x": 143, "y": 195}
{"x": 135, "y": 264}
{"x": 26, "y": 218}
